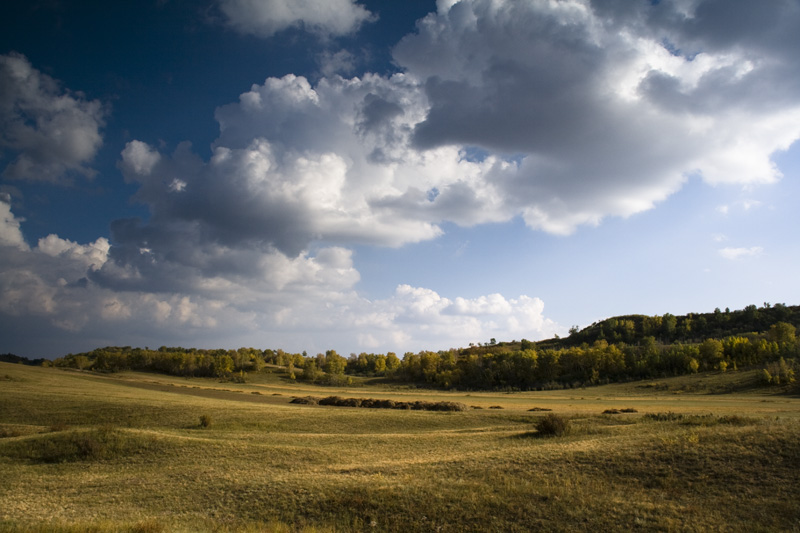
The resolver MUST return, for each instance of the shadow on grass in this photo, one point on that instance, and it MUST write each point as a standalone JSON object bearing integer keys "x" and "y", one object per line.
{"x": 95, "y": 444}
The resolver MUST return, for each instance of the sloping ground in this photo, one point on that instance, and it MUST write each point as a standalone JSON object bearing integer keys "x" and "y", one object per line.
{"x": 81, "y": 452}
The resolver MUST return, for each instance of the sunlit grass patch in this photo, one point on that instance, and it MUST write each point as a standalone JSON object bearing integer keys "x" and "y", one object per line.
{"x": 274, "y": 466}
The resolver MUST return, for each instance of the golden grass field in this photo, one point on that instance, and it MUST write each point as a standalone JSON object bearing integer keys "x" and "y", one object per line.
{"x": 127, "y": 452}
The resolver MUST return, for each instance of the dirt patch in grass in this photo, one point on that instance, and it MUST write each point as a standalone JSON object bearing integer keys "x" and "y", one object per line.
{"x": 216, "y": 394}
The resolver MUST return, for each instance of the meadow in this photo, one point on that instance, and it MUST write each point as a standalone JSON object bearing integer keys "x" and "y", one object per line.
{"x": 135, "y": 452}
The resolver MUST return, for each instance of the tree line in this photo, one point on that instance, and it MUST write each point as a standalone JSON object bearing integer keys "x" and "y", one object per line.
{"x": 618, "y": 349}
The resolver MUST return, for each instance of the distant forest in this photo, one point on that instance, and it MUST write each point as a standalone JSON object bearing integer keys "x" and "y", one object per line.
{"x": 622, "y": 348}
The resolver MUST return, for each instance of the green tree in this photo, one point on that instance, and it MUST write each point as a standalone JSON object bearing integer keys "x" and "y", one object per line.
{"x": 392, "y": 362}
{"x": 711, "y": 352}
{"x": 668, "y": 327}
{"x": 334, "y": 363}
{"x": 223, "y": 365}
{"x": 378, "y": 364}
{"x": 81, "y": 362}
{"x": 310, "y": 371}
{"x": 784, "y": 335}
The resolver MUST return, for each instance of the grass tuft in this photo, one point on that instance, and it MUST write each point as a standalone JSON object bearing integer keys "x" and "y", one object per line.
{"x": 552, "y": 425}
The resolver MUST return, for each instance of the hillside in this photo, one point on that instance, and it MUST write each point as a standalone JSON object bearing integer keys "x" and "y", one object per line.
{"x": 618, "y": 349}
{"x": 134, "y": 452}
{"x": 691, "y": 328}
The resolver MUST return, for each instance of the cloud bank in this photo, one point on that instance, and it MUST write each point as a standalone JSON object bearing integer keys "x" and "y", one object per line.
{"x": 262, "y": 299}
{"x": 561, "y": 113}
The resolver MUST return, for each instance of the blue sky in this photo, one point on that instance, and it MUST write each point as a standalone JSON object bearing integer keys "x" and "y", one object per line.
{"x": 389, "y": 176}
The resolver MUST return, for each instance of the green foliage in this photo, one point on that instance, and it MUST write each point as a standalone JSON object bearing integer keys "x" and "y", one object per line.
{"x": 334, "y": 363}
{"x": 310, "y": 371}
{"x": 781, "y": 372}
{"x": 223, "y": 365}
{"x": 618, "y": 349}
{"x": 711, "y": 352}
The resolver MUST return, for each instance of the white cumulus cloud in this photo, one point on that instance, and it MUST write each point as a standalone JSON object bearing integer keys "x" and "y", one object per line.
{"x": 561, "y": 113}
{"x": 10, "y": 233}
{"x": 267, "y": 17}
{"x": 609, "y": 107}
{"x": 46, "y": 131}
{"x": 739, "y": 253}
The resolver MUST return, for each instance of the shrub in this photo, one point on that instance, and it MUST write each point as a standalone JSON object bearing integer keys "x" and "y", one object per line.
{"x": 663, "y": 417}
{"x": 448, "y": 406}
{"x": 331, "y": 400}
{"x": 205, "y": 421}
{"x": 305, "y": 400}
{"x": 618, "y": 411}
{"x": 371, "y": 403}
{"x": 351, "y": 402}
{"x": 552, "y": 425}
{"x": 779, "y": 373}
{"x": 737, "y": 420}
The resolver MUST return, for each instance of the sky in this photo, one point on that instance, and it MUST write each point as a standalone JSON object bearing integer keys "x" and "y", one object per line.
{"x": 374, "y": 176}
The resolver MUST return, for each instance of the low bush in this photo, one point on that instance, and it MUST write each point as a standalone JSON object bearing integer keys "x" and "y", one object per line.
{"x": 737, "y": 420}
{"x": 371, "y": 403}
{"x": 701, "y": 420}
{"x": 305, "y": 400}
{"x": 663, "y": 417}
{"x": 552, "y": 425}
{"x": 331, "y": 400}
{"x": 205, "y": 421}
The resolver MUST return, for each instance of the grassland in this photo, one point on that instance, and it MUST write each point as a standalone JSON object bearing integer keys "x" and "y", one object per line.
{"x": 128, "y": 452}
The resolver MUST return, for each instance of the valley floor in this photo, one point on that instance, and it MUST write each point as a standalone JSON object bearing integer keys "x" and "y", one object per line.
{"x": 148, "y": 453}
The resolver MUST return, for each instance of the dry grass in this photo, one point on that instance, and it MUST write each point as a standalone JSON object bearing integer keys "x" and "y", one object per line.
{"x": 720, "y": 463}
